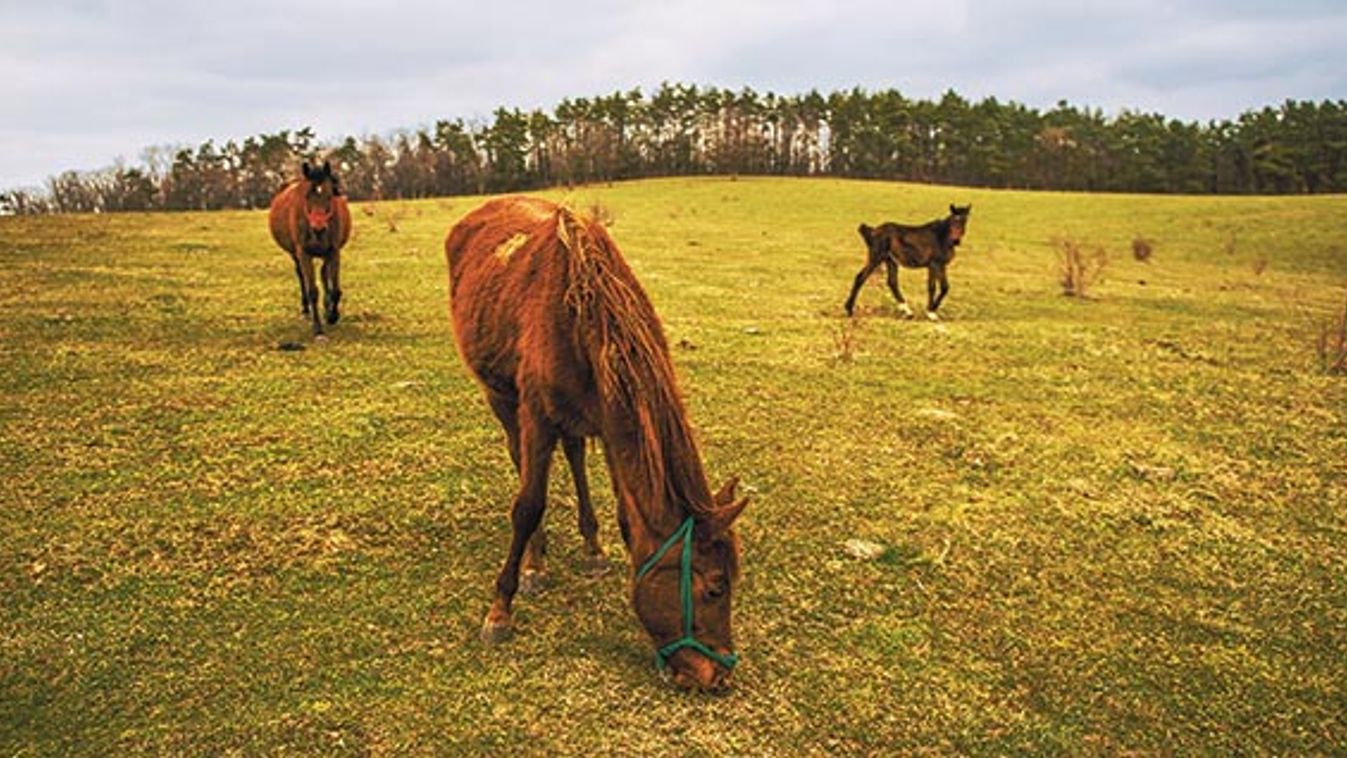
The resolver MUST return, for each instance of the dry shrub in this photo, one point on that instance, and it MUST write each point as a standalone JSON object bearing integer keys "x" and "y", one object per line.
{"x": 846, "y": 341}
{"x": 602, "y": 214}
{"x": 1332, "y": 344}
{"x": 1078, "y": 270}
{"x": 1142, "y": 249}
{"x": 1230, "y": 244}
{"x": 1259, "y": 264}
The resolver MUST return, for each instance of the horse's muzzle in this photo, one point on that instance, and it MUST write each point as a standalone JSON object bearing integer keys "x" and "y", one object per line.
{"x": 692, "y": 671}
{"x": 318, "y": 220}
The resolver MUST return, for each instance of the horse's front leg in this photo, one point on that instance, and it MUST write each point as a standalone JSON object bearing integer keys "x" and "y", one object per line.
{"x": 574, "y": 448}
{"x": 303, "y": 293}
{"x": 536, "y": 441}
{"x": 310, "y": 287}
{"x": 944, "y": 286}
{"x": 932, "y": 300}
{"x": 332, "y": 285}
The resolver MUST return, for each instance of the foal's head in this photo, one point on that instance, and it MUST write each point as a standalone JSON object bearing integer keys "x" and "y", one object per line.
{"x": 958, "y": 220}
{"x": 320, "y": 186}
{"x": 714, "y": 567}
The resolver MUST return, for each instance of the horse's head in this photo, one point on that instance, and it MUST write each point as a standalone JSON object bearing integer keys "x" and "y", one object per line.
{"x": 958, "y": 220}
{"x": 682, "y": 596}
{"x": 320, "y": 187}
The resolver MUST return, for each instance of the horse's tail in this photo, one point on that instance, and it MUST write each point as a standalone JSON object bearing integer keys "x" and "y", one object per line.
{"x": 867, "y": 234}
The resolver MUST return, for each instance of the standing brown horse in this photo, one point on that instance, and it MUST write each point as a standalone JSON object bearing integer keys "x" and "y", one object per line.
{"x": 566, "y": 346}
{"x": 309, "y": 219}
{"x": 929, "y": 246}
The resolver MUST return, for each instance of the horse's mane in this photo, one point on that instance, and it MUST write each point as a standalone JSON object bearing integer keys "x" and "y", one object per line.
{"x": 625, "y": 344}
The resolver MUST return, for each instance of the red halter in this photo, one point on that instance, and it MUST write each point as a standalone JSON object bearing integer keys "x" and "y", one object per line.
{"x": 318, "y": 219}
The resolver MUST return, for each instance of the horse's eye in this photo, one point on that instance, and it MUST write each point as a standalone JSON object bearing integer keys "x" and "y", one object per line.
{"x": 715, "y": 587}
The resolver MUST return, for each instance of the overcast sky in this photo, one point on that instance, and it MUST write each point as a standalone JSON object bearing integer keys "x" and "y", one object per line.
{"x": 83, "y": 84}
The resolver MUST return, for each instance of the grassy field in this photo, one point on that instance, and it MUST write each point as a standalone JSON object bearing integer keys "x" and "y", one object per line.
{"x": 1111, "y": 524}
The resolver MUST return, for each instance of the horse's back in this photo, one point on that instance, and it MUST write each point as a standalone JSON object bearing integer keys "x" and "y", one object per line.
{"x": 480, "y": 234}
{"x": 909, "y": 246}
{"x": 507, "y": 284}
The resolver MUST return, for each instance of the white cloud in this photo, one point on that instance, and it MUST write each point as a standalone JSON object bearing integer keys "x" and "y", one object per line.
{"x": 87, "y": 82}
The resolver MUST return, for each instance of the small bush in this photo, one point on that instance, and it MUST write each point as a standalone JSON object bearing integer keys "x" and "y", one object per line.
{"x": 1259, "y": 264}
{"x": 1332, "y": 345}
{"x": 846, "y": 341}
{"x": 1079, "y": 271}
{"x": 1142, "y": 249}
{"x": 602, "y": 214}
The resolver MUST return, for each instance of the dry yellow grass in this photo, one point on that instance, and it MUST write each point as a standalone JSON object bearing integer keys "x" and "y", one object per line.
{"x": 1107, "y": 525}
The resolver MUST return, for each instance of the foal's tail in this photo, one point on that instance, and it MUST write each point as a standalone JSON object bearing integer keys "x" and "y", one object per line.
{"x": 867, "y": 234}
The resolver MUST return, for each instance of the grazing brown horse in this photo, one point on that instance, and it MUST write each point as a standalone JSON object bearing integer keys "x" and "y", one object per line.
{"x": 929, "y": 246}
{"x": 566, "y": 346}
{"x": 309, "y": 219}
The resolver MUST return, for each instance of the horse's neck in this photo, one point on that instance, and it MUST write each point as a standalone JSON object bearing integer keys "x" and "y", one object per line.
{"x": 652, "y": 510}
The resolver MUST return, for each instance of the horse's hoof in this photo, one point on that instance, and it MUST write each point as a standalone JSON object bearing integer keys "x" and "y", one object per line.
{"x": 930, "y": 315}
{"x": 905, "y": 311}
{"x": 333, "y": 318}
{"x": 532, "y": 582}
{"x": 319, "y": 337}
{"x": 496, "y": 632}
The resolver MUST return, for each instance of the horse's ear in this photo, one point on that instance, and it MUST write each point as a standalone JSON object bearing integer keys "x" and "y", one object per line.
{"x": 306, "y": 170}
{"x": 327, "y": 167}
{"x": 720, "y": 519}
{"x": 725, "y": 509}
{"x": 953, "y": 211}
{"x": 726, "y": 494}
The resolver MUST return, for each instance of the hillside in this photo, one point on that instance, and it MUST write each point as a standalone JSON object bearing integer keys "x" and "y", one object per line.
{"x": 1111, "y": 523}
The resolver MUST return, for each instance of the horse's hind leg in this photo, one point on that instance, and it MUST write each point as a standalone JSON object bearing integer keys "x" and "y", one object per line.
{"x": 574, "y": 448}
{"x": 506, "y": 408}
{"x": 893, "y": 287}
{"x": 865, "y": 273}
{"x": 536, "y": 441}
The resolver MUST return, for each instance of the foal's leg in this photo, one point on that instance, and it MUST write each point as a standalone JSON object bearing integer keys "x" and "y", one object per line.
{"x": 574, "y": 448}
{"x": 933, "y": 275}
{"x": 870, "y": 266}
{"x": 944, "y": 287}
{"x": 893, "y": 287}
{"x": 310, "y": 287}
{"x": 332, "y": 285}
{"x": 536, "y": 441}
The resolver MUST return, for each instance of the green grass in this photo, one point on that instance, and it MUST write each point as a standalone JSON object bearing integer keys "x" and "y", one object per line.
{"x": 1112, "y": 524}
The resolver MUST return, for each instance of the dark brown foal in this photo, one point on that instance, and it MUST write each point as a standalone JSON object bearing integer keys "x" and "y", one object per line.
{"x": 929, "y": 246}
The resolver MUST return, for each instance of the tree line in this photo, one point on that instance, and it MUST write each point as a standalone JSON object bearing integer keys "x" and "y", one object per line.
{"x": 681, "y": 130}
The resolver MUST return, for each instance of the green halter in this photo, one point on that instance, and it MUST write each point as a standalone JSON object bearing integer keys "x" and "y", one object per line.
{"x": 684, "y": 533}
